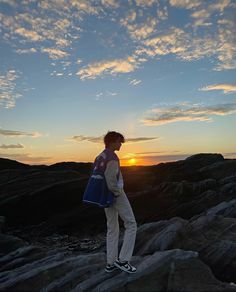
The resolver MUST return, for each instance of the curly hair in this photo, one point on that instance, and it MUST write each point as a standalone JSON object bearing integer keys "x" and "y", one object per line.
{"x": 112, "y": 136}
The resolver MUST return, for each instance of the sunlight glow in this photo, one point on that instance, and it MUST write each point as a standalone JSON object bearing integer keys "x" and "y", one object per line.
{"x": 132, "y": 161}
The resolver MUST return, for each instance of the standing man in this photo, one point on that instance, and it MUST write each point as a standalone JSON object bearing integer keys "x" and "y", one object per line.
{"x": 121, "y": 207}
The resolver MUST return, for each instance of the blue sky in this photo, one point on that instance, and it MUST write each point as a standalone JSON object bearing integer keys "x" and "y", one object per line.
{"x": 160, "y": 72}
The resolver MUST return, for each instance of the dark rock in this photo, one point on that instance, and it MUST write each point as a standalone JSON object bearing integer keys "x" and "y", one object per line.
{"x": 9, "y": 243}
{"x": 209, "y": 234}
{"x": 203, "y": 159}
{"x": 219, "y": 170}
{"x": 2, "y": 223}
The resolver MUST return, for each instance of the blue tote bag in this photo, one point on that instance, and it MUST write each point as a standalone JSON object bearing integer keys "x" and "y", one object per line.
{"x": 97, "y": 191}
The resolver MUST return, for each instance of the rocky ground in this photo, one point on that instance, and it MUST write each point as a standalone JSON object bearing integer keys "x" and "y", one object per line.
{"x": 171, "y": 255}
{"x": 186, "y": 239}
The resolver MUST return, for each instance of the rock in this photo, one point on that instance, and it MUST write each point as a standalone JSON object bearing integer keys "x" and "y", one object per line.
{"x": 197, "y": 277}
{"x": 210, "y": 234}
{"x": 170, "y": 255}
{"x": 226, "y": 209}
{"x": 204, "y": 159}
{"x": 9, "y": 243}
{"x": 190, "y": 246}
{"x": 2, "y": 223}
{"x": 219, "y": 170}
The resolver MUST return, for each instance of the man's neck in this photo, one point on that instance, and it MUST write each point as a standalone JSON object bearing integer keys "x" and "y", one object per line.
{"x": 111, "y": 149}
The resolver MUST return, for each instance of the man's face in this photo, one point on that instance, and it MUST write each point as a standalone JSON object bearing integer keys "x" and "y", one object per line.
{"x": 117, "y": 144}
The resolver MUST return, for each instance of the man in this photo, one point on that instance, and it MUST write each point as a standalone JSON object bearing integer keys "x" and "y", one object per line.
{"x": 121, "y": 207}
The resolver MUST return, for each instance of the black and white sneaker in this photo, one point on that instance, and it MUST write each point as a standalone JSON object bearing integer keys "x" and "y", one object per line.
{"x": 110, "y": 268}
{"x": 125, "y": 266}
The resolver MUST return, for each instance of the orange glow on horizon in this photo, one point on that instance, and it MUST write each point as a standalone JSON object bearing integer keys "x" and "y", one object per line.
{"x": 132, "y": 161}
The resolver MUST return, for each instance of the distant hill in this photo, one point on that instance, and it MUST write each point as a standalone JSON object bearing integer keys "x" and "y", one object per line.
{"x": 12, "y": 164}
{"x": 77, "y": 166}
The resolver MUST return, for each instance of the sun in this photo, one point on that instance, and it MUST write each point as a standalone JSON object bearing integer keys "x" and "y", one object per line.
{"x": 132, "y": 161}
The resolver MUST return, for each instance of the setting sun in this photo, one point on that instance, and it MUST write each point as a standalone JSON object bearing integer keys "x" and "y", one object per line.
{"x": 132, "y": 161}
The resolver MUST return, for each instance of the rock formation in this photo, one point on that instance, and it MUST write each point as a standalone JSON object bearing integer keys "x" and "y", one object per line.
{"x": 186, "y": 239}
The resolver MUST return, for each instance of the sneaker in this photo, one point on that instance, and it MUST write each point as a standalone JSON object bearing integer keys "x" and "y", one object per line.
{"x": 125, "y": 266}
{"x": 110, "y": 268}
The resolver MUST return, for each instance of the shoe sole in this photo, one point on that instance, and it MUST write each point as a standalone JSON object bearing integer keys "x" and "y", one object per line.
{"x": 124, "y": 269}
{"x": 107, "y": 271}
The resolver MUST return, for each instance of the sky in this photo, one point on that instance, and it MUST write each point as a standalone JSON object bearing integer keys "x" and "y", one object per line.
{"x": 162, "y": 73}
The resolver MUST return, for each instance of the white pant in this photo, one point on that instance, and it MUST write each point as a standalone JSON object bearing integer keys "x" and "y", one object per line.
{"x": 121, "y": 207}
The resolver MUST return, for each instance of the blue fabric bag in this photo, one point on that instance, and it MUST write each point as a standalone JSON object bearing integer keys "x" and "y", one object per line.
{"x": 97, "y": 191}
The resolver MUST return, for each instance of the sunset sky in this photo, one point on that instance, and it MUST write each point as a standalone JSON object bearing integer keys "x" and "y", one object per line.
{"x": 163, "y": 73}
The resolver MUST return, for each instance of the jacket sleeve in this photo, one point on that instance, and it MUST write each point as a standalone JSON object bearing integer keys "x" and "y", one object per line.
{"x": 110, "y": 174}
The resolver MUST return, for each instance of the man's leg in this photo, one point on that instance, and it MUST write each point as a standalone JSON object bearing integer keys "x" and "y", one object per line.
{"x": 112, "y": 234}
{"x": 125, "y": 211}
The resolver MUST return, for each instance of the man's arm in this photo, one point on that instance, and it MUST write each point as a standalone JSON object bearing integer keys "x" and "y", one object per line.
{"x": 111, "y": 177}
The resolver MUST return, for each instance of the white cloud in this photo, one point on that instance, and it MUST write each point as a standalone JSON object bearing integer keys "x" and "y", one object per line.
{"x": 141, "y": 30}
{"x": 135, "y": 82}
{"x": 110, "y": 3}
{"x": 55, "y": 53}
{"x": 99, "y": 139}
{"x": 95, "y": 69}
{"x": 11, "y": 146}
{"x": 12, "y": 133}
{"x": 145, "y": 3}
{"x": 81, "y": 138}
{"x": 160, "y": 116}
{"x": 187, "y": 4}
{"x": 226, "y": 88}
{"x": 140, "y": 139}
{"x": 112, "y": 93}
{"x": 29, "y": 34}
{"x": 8, "y": 88}
{"x": 26, "y": 51}
{"x": 179, "y": 42}
{"x": 129, "y": 18}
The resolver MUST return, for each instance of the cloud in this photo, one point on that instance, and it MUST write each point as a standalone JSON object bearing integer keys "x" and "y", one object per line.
{"x": 182, "y": 44}
{"x": 8, "y": 88}
{"x": 140, "y": 139}
{"x": 55, "y": 53}
{"x": 135, "y": 82}
{"x": 226, "y": 88}
{"x": 99, "y": 139}
{"x": 187, "y": 4}
{"x": 81, "y": 138}
{"x": 129, "y": 18}
{"x": 29, "y": 34}
{"x": 142, "y": 30}
{"x": 110, "y": 3}
{"x": 85, "y": 7}
{"x": 55, "y": 27}
{"x": 11, "y": 146}
{"x": 205, "y": 12}
{"x": 153, "y": 152}
{"x": 144, "y": 3}
{"x": 49, "y": 22}
{"x": 26, "y": 51}
{"x": 12, "y": 133}
{"x": 201, "y": 14}
{"x": 160, "y": 116}
{"x": 95, "y": 69}
{"x": 111, "y": 93}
